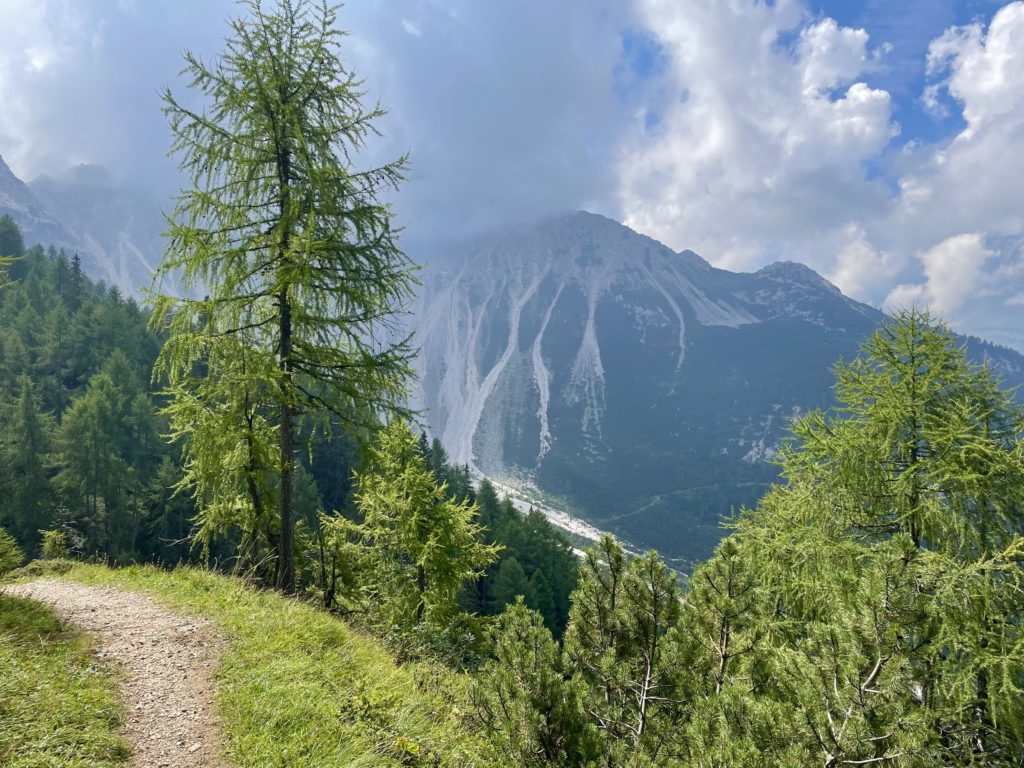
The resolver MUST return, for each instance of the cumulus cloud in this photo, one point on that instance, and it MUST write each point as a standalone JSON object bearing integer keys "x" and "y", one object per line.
{"x": 954, "y": 271}
{"x": 972, "y": 183}
{"x": 743, "y": 129}
{"x": 774, "y": 142}
{"x": 860, "y": 269}
{"x": 761, "y": 150}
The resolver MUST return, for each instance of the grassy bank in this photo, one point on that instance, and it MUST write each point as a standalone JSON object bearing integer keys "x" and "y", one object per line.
{"x": 58, "y": 706}
{"x": 298, "y": 687}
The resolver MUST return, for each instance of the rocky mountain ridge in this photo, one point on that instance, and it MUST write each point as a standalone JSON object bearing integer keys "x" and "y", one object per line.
{"x": 645, "y": 389}
{"x": 641, "y": 389}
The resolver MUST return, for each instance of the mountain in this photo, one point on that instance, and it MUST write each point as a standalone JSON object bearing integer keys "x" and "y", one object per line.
{"x": 113, "y": 228}
{"x": 643, "y": 388}
{"x": 37, "y": 222}
{"x": 119, "y": 226}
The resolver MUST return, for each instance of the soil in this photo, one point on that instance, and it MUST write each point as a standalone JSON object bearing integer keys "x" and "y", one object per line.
{"x": 168, "y": 661}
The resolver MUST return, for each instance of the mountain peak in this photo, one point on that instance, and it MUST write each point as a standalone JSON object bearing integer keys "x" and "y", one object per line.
{"x": 795, "y": 272}
{"x": 7, "y": 177}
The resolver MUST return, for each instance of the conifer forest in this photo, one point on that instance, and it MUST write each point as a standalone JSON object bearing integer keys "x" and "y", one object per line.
{"x": 255, "y": 420}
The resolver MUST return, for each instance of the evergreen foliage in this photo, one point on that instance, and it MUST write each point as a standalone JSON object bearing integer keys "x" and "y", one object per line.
{"x": 11, "y": 246}
{"x": 534, "y": 712}
{"x": 299, "y": 264}
{"x": 415, "y": 546}
{"x": 54, "y": 545}
{"x": 867, "y": 612}
{"x": 79, "y": 438}
{"x": 544, "y": 571}
{"x": 11, "y": 555}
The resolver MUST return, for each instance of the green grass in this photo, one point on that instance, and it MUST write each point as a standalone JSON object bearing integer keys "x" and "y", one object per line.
{"x": 58, "y": 706}
{"x": 299, "y": 687}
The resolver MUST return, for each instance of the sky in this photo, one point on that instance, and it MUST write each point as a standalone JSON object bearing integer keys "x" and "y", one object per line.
{"x": 879, "y": 142}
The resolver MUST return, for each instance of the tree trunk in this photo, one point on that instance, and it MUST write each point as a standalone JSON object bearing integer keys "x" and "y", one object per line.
{"x": 421, "y": 587}
{"x": 286, "y": 558}
{"x": 286, "y": 572}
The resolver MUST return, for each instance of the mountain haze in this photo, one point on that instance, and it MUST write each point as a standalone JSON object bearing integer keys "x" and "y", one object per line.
{"x": 113, "y": 228}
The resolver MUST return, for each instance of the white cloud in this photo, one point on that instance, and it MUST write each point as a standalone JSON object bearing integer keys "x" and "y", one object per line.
{"x": 954, "y": 272}
{"x": 975, "y": 181}
{"x": 509, "y": 110}
{"x": 39, "y": 38}
{"x": 986, "y": 68}
{"x": 758, "y": 131}
{"x": 860, "y": 269}
{"x": 761, "y": 149}
{"x": 772, "y": 149}
{"x": 831, "y": 55}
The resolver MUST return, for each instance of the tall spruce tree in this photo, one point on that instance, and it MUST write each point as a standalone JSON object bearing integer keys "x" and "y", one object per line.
{"x": 28, "y": 503}
{"x": 294, "y": 250}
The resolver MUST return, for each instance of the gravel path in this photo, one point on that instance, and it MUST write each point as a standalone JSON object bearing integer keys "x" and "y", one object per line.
{"x": 168, "y": 661}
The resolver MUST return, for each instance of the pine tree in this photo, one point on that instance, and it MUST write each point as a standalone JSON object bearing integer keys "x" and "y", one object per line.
{"x": 291, "y": 245}
{"x": 11, "y": 555}
{"x": 76, "y": 286}
{"x": 27, "y": 499}
{"x": 11, "y": 242}
{"x": 420, "y": 546}
{"x": 620, "y": 644}
{"x": 509, "y": 583}
{"x": 532, "y": 712}
{"x": 541, "y": 598}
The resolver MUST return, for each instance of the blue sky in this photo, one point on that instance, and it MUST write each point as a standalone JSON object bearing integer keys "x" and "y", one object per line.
{"x": 880, "y": 142}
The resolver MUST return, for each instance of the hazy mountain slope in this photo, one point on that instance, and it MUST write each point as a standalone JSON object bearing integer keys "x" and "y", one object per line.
{"x": 118, "y": 226}
{"x": 38, "y": 224}
{"x": 114, "y": 229}
{"x": 644, "y": 386}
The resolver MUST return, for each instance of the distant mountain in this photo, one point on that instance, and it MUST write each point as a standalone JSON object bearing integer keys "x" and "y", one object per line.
{"x": 118, "y": 226}
{"x": 37, "y": 222}
{"x": 113, "y": 228}
{"x": 644, "y": 387}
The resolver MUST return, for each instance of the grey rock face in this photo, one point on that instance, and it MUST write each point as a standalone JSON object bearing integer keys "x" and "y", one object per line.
{"x": 115, "y": 230}
{"x": 645, "y": 388}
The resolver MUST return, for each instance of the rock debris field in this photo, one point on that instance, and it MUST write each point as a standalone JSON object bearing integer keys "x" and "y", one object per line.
{"x": 167, "y": 661}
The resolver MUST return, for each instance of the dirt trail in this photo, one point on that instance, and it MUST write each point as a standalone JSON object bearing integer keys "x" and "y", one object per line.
{"x": 168, "y": 662}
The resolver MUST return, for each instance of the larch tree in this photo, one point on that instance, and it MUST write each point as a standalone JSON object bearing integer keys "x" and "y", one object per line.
{"x": 420, "y": 546}
{"x": 294, "y": 253}
{"x": 889, "y": 564}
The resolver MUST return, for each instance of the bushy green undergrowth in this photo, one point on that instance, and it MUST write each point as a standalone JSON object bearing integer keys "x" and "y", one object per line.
{"x": 298, "y": 687}
{"x": 58, "y": 707}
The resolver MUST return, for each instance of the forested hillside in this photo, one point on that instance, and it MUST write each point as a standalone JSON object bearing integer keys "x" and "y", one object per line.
{"x": 84, "y": 448}
{"x": 82, "y": 445}
{"x": 866, "y": 610}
